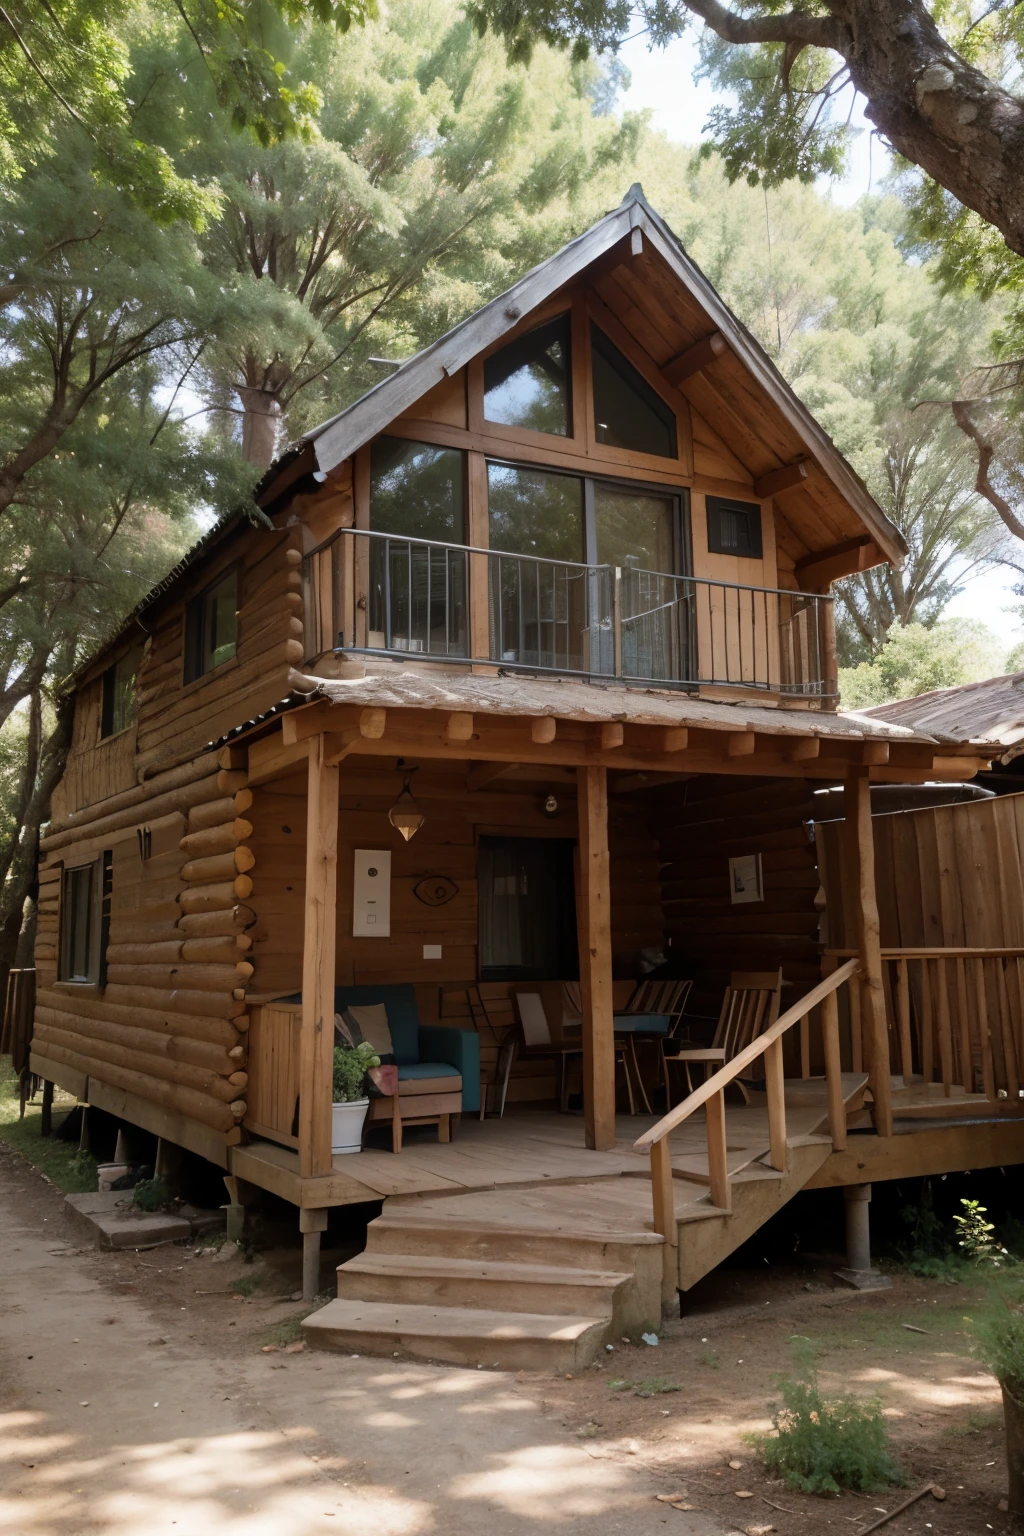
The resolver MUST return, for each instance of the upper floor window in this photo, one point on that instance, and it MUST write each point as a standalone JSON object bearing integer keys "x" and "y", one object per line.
{"x": 416, "y": 490}
{"x": 628, "y": 413}
{"x": 119, "y": 698}
{"x": 85, "y": 920}
{"x": 526, "y": 383}
{"x": 211, "y": 627}
{"x": 734, "y": 527}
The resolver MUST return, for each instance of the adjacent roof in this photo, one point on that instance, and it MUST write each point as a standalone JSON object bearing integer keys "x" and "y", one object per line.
{"x": 992, "y": 710}
{"x": 743, "y": 378}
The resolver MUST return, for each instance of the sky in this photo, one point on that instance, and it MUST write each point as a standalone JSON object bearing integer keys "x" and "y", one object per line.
{"x": 662, "y": 83}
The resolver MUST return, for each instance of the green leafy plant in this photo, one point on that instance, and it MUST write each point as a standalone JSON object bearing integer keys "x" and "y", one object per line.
{"x": 351, "y": 1065}
{"x": 150, "y": 1194}
{"x": 823, "y": 1445}
{"x": 976, "y": 1239}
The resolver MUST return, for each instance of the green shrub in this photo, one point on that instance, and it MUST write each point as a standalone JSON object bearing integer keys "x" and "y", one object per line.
{"x": 823, "y": 1445}
{"x": 976, "y": 1238}
{"x": 999, "y": 1342}
{"x": 351, "y": 1064}
{"x": 151, "y": 1194}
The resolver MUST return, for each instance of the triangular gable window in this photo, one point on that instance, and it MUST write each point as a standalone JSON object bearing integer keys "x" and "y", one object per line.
{"x": 628, "y": 413}
{"x": 526, "y": 384}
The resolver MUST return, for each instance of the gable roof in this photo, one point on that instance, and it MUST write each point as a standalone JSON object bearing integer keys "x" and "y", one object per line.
{"x": 797, "y": 433}
{"x": 992, "y": 710}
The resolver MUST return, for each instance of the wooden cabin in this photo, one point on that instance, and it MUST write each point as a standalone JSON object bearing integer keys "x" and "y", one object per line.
{"x": 554, "y": 597}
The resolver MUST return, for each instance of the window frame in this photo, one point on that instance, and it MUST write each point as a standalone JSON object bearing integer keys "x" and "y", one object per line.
{"x": 97, "y": 920}
{"x": 575, "y": 441}
{"x": 565, "y": 315}
{"x": 678, "y": 495}
{"x": 194, "y": 633}
{"x": 108, "y": 695}
{"x": 597, "y": 313}
{"x": 714, "y": 505}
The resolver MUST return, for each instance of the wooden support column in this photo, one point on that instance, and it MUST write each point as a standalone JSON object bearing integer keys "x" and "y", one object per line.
{"x": 861, "y": 853}
{"x": 593, "y": 915}
{"x": 316, "y": 1045}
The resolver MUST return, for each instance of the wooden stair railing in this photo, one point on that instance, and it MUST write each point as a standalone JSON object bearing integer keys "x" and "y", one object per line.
{"x": 711, "y": 1095}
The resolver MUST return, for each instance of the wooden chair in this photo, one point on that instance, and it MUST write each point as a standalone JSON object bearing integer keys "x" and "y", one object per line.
{"x": 536, "y": 1039}
{"x": 750, "y": 1005}
{"x": 625, "y": 1042}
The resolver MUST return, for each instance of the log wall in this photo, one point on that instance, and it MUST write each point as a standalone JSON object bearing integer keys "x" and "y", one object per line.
{"x": 700, "y": 825}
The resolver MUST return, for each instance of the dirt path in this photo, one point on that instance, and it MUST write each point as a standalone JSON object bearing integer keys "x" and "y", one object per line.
{"x": 130, "y": 1406}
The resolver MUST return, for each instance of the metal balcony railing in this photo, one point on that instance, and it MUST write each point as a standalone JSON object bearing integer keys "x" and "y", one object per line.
{"x": 385, "y": 594}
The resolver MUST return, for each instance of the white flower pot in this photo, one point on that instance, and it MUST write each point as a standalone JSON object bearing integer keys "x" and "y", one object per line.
{"x": 347, "y": 1125}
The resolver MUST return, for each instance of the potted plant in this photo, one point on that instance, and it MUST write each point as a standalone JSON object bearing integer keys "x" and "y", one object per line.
{"x": 352, "y": 1063}
{"x": 1000, "y": 1340}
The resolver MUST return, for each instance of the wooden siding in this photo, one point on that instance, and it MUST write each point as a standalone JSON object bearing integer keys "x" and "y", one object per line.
{"x": 700, "y": 825}
{"x": 947, "y": 876}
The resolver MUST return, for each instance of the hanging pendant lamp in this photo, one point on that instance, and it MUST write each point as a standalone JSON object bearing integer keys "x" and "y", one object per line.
{"x": 405, "y": 815}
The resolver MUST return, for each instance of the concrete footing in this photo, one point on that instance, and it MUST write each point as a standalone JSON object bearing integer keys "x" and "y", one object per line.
{"x": 858, "y": 1272}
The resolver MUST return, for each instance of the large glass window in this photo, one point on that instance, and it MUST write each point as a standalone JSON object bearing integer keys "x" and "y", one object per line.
{"x": 634, "y": 529}
{"x": 211, "y": 627}
{"x": 532, "y": 512}
{"x": 119, "y": 701}
{"x": 416, "y": 490}
{"x": 527, "y": 907}
{"x": 628, "y": 413}
{"x": 85, "y": 920}
{"x": 417, "y": 599}
{"x": 526, "y": 384}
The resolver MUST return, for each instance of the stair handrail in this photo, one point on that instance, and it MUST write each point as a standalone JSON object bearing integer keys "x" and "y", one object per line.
{"x": 711, "y": 1094}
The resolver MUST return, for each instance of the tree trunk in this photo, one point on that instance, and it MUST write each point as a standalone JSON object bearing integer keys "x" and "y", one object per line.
{"x": 260, "y": 426}
{"x": 1013, "y": 1416}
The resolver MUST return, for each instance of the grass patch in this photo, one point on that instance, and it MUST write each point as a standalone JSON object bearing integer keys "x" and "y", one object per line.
{"x": 72, "y": 1171}
{"x": 823, "y": 1445}
{"x": 289, "y": 1331}
{"x": 649, "y": 1388}
{"x": 708, "y": 1358}
{"x": 976, "y": 1423}
{"x": 245, "y": 1285}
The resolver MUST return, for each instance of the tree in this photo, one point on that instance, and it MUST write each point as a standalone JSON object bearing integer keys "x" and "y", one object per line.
{"x": 438, "y": 173}
{"x": 858, "y": 328}
{"x": 916, "y": 660}
{"x": 937, "y": 79}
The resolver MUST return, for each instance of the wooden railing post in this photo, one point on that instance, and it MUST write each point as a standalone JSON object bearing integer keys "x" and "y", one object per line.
{"x": 861, "y": 850}
{"x": 775, "y": 1088}
{"x": 718, "y": 1162}
{"x": 316, "y": 1043}
{"x": 593, "y": 912}
{"x": 833, "y": 1070}
{"x": 665, "y": 1216}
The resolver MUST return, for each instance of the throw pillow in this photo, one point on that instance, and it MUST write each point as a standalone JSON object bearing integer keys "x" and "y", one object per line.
{"x": 369, "y": 1022}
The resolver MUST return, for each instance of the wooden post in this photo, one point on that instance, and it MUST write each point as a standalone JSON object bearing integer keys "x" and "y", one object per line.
{"x": 718, "y": 1160}
{"x": 46, "y": 1118}
{"x": 593, "y": 916}
{"x": 665, "y": 1216}
{"x": 833, "y": 1070}
{"x": 861, "y": 849}
{"x": 775, "y": 1087}
{"x": 316, "y": 1040}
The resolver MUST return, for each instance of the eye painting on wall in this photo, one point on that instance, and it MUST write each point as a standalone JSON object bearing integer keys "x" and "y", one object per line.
{"x": 435, "y": 890}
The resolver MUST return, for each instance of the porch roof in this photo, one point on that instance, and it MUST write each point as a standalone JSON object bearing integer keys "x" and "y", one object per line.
{"x": 406, "y": 688}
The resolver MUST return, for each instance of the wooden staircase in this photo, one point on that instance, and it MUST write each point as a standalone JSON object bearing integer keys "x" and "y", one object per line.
{"x": 542, "y": 1277}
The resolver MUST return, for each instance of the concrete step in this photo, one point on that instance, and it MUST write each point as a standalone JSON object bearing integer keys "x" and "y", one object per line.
{"x": 469, "y": 1336}
{"x": 425, "y": 1279}
{"x": 516, "y": 1241}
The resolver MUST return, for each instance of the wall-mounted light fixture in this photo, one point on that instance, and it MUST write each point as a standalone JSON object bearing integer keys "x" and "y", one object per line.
{"x": 405, "y": 815}
{"x": 550, "y": 806}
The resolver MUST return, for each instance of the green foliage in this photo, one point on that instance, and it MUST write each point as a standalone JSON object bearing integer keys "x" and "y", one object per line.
{"x": 351, "y": 1065}
{"x": 151, "y": 1194}
{"x": 915, "y": 659}
{"x": 72, "y": 1171}
{"x": 927, "y": 1249}
{"x": 999, "y": 1342}
{"x": 976, "y": 1238}
{"x": 245, "y": 1285}
{"x": 824, "y": 1445}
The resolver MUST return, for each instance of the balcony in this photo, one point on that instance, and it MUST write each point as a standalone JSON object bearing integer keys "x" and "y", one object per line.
{"x": 379, "y": 594}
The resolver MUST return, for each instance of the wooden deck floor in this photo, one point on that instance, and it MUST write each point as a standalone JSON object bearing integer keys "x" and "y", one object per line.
{"x": 524, "y": 1149}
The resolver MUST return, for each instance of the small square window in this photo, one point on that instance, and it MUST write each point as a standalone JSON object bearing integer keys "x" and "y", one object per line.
{"x": 85, "y": 920}
{"x": 734, "y": 527}
{"x": 211, "y": 627}
{"x": 119, "y": 699}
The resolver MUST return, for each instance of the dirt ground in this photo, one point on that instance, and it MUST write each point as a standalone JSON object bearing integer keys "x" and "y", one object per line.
{"x": 136, "y": 1397}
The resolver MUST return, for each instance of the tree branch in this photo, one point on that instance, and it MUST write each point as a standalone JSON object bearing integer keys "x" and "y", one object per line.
{"x": 986, "y": 453}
